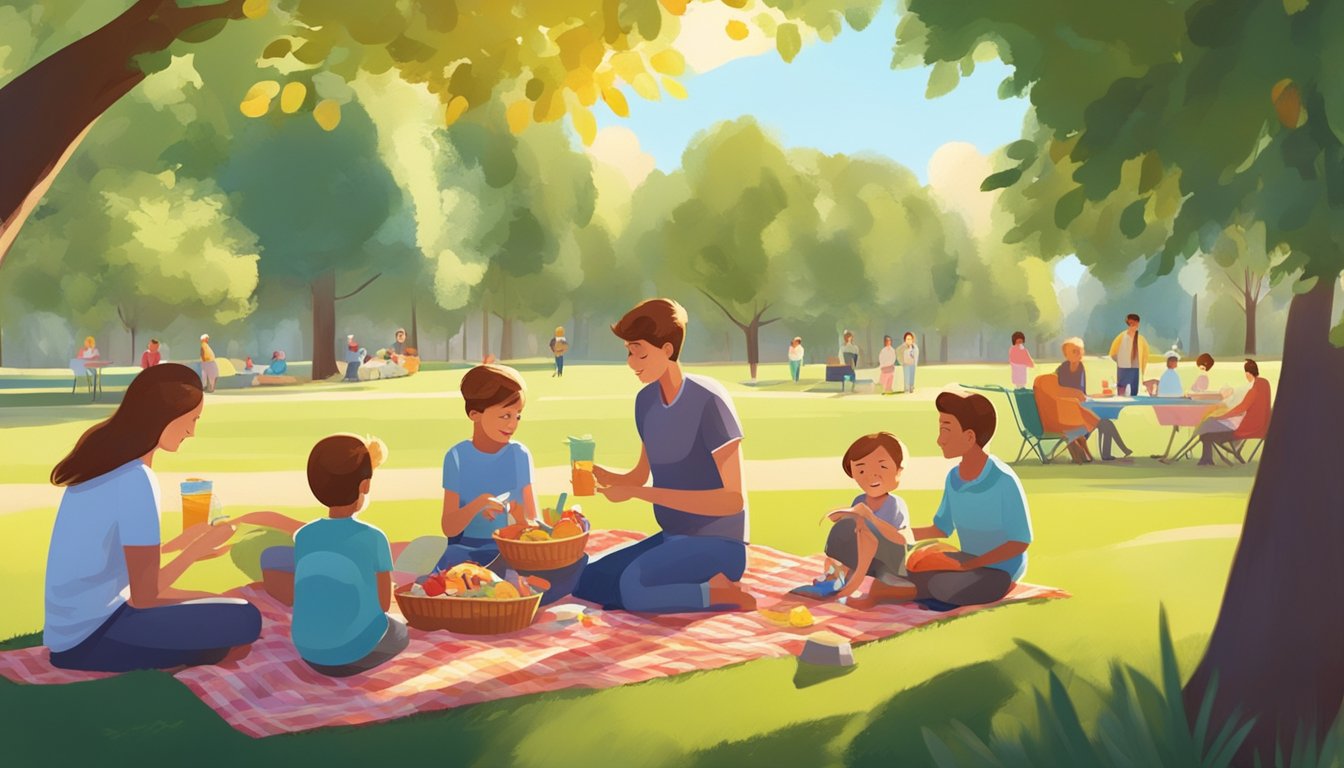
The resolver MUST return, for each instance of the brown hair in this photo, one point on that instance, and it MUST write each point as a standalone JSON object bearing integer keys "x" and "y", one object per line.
{"x": 1019, "y": 336}
{"x": 869, "y": 443}
{"x": 655, "y": 321}
{"x": 973, "y": 412}
{"x": 156, "y": 397}
{"x": 336, "y": 467}
{"x": 1205, "y": 360}
{"x": 1251, "y": 367}
{"x": 488, "y": 385}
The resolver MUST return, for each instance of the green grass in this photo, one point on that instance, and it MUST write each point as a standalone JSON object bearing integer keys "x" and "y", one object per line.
{"x": 763, "y": 712}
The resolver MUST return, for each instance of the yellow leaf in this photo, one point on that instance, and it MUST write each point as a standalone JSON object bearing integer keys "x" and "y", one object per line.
{"x": 266, "y": 89}
{"x": 735, "y": 3}
{"x": 674, "y": 7}
{"x": 255, "y": 106}
{"x": 737, "y": 30}
{"x": 457, "y": 107}
{"x": 549, "y": 108}
{"x": 327, "y": 113}
{"x": 587, "y": 93}
{"x": 584, "y": 124}
{"x": 292, "y": 97}
{"x": 646, "y": 86}
{"x": 255, "y": 9}
{"x": 628, "y": 65}
{"x": 616, "y": 100}
{"x": 669, "y": 62}
{"x": 518, "y": 115}
{"x": 674, "y": 89}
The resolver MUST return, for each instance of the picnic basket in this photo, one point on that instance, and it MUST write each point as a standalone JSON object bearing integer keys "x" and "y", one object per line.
{"x": 468, "y": 615}
{"x": 533, "y": 556}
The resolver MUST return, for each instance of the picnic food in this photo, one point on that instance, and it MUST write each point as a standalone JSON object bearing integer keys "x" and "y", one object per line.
{"x": 533, "y": 548}
{"x": 489, "y": 605}
{"x": 933, "y": 557}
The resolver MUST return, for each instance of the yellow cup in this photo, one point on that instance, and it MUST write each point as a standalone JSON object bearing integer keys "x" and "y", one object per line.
{"x": 196, "y": 497}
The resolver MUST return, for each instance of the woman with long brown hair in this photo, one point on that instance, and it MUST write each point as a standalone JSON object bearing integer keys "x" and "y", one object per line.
{"x": 110, "y": 606}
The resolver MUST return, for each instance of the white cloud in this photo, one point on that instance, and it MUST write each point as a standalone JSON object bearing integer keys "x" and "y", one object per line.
{"x": 706, "y": 45}
{"x": 955, "y": 173}
{"x": 618, "y": 147}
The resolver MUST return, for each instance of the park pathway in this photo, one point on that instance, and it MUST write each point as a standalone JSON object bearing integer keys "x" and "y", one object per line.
{"x": 290, "y": 488}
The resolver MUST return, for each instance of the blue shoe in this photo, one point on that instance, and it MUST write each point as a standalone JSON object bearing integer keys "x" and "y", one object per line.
{"x": 937, "y": 605}
{"x": 823, "y": 591}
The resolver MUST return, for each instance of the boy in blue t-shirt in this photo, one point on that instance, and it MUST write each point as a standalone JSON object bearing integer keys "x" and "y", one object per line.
{"x": 487, "y": 479}
{"x": 342, "y": 583}
{"x": 871, "y": 536}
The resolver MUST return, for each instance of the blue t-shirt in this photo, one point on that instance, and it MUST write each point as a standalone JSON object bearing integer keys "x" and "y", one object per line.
{"x": 986, "y": 513}
{"x": 680, "y": 439}
{"x": 1170, "y": 384}
{"x": 86, "y": 567}
{"x": 338, "y": 618}
{"x": 892, "y": 511}
{"x": 277, "y": 368}
{"x": 470, "y": 472}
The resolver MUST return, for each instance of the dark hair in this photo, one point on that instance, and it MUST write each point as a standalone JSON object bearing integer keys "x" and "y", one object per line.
{"x": 153, "y": 341}
{"x": 1019, "y": 336}
{"x": 488, "y": 385}
{"x": 1131, "y": 317}
{"x": 656, "y": 322}
{"x": 156, "y": 397}
{"x": 886, "y": 339}
{"x": 973, "y": 412}
{"x": 1205, "y": 360}
{"x": 336, "y": 467}
{"x": 869, "y": 443}
{"x": 908, "y": 335}
{"x": 1251, "y": 367}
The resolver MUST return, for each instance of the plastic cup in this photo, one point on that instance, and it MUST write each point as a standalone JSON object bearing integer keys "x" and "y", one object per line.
{"x": 196, "y": 498}
{"x": 581, "y": 451}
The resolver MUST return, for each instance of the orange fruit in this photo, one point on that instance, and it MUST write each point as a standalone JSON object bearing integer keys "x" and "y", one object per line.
{"x": 1287, "y": 103}
{"x": 566, "y": 529}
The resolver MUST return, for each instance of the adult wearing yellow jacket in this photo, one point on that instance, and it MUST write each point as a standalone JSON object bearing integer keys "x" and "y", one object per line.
{"x": 1130, "y": 353}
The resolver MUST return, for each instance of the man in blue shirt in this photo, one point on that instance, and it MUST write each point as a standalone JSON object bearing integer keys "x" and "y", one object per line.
{"x": 983, "y": 503}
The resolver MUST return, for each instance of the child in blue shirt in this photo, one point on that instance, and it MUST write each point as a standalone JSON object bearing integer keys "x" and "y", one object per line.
{"x": 488, "y": 479}
{"x": 342, "y": 583}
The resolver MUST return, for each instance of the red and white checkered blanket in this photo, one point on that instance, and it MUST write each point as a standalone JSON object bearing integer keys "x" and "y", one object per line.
{"x": 272, "y": 691}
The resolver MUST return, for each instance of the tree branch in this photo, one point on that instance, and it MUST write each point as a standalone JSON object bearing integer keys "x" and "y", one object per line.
{"x": 360, "y": 288}
{"x": 1231, "y": 281}
{"x": 764, "y": 323}
{"x": 742, "y": 326}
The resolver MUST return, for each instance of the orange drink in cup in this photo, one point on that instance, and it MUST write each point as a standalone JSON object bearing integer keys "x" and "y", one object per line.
{"x": 581, "y": 450}
{"x": 196, "y": 494}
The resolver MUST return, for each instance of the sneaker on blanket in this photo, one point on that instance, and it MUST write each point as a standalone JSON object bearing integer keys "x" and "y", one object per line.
{"x": 823, "y": 590}
{"x": 932, "y": 604}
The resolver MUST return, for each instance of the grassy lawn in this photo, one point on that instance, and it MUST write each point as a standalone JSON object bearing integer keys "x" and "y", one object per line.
{"x": 1088, "y": 524}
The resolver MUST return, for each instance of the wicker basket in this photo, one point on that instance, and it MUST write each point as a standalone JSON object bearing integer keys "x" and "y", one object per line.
{"x": 468, "y": 615}
{"x": 533, "y": 556}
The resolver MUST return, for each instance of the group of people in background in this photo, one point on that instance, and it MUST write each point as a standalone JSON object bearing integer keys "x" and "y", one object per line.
{"x": 888, "y": 358}
{"x": 1062, "y": 394}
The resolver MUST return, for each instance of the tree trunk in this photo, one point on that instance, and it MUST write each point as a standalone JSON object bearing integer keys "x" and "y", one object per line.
{"x": 923, "y": 341}
{"x": 133, "y": 346}
{"x": 1251, "y": 306}
{"x": 753, "y": 334}
{"x": 1194, "y": 326}
{"x": 505, "y": 338}
{"x": 464, "y": 339}
{"x": 942, "y": 349}
{"x": 324, "y": 326}
{"x": 485, "y": 331}
{"x": 1276, "y": 647}
{"x": 415, "y": 326}
{"x": 91, "y": 74}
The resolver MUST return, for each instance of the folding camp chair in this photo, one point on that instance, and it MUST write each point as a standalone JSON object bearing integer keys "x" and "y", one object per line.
{"x": 1022, "y": 402}
{"x": 1233, "y": 450}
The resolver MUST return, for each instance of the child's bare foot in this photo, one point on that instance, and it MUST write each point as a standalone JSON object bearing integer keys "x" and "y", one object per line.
{"x": 880, "y": 593}
{"x": 725, "y": 591}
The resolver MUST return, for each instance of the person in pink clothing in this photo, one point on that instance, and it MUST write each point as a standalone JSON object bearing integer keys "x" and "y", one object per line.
{"x": 1019, "y": 359}
{"x": 151, "y": 357}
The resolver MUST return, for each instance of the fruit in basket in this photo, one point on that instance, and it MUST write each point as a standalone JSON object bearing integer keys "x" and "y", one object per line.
{"x": 534, "y": 534}
{"x": 435, "y": 585}
{"x": 566, "y": 529}
{"x": 504, "y": 591}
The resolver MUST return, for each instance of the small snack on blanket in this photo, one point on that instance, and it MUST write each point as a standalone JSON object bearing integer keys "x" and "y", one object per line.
{"x": 932, "y": 557}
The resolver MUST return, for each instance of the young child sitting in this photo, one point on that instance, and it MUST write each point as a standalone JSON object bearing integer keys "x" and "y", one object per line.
{"x": 342, "y": 567}
{"x": 870, "y": 537}
{"x": 487, "y": 479}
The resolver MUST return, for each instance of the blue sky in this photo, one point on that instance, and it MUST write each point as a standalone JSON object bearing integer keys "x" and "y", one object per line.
{"x": 840, "y": 96}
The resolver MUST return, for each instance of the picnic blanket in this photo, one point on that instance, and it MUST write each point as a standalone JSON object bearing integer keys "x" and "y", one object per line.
{"x": 272, "y": 691}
